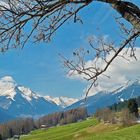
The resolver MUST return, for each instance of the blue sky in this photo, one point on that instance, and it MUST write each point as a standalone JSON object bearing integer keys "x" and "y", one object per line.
{"x": 39, "y": 66}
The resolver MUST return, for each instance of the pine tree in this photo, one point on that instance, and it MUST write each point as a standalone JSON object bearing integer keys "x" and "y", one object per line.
{"x": 133, "y": 107}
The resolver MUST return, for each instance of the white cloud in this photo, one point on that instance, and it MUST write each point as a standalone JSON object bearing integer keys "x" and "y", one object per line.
{"x": 120, "y": 72}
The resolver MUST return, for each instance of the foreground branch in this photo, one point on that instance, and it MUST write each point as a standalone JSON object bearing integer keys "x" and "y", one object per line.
{"x": 44, "y": 18}
{"x": 79, "y": 67}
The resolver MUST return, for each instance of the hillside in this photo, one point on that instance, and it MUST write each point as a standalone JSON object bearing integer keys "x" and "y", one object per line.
{"x": 86, "y": 130}
{"x": 4, "y": 116}
{"x": 19, "y": 101}
{"x": 106, "y": 98}
{"x": 122, "y": 105}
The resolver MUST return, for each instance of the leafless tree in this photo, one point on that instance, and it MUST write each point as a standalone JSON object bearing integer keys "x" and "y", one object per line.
{"x": 45, "y": 17}
{"x": 38, "y": 20}
{"x": 126, "y": 118}
{"x": 102, "y": 53}
{"x": 101, "y": 48}
{"x": 105, "y": 115}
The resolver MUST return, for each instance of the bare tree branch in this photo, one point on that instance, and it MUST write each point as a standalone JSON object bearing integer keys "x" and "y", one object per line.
{"x": 38, "y": 20}
{"x": 101, "y": 51}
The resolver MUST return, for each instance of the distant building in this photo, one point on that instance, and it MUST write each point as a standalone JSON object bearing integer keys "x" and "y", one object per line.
{"x": 80, "y": 120}
{"x": 89, "y": 118}
{"x": 43, "y": 126}
{"x": 16, "y": 137}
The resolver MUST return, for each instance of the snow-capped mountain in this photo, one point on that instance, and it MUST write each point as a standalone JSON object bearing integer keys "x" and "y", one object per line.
{"x": 7, "y": 87}
{"x": 62, "y": 101}
{"x": 17, "y": 100}
{"x": 104, "y": 99}
{"x": 21, "y": 101}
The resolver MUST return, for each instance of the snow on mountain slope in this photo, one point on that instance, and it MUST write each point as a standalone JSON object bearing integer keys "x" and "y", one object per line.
{"x": 18, "y": 100}
{"x": 62, "y": 101}
{"x": 104, "y": 99}
{"x": 7, "y": 86}
{"x": 28, "y": 93}
{"x": 21, "y": 101}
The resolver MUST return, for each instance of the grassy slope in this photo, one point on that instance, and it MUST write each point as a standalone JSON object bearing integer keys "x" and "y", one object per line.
{"x": 86, "y": 130}
{"x": 60, "y": 133}
{"x": 112, "y": 132}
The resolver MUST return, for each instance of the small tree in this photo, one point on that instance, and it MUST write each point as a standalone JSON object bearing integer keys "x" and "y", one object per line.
{"x": 126, "y": 118}
{"x": 105, "y": 115}
{"x": 133, "y": 107}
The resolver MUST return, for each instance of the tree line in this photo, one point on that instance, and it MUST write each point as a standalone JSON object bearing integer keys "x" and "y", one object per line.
{"x": 125, "y": 113}
{"x": 25, "y": 125}
{"x": 132, "y": 104}
{"x": 61, "y": 118}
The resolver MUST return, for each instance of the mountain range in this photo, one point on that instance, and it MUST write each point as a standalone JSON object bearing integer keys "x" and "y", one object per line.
{"x": 105, "y": 98}
{"x": 62, "y": 101}
{"x": 19, "y": 101}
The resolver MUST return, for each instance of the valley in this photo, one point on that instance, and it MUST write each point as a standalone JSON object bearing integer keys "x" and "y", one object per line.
{"x": 86, "y": 130}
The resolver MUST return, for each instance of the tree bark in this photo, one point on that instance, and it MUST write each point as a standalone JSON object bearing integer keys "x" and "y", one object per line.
{"x": 128, "y": 10}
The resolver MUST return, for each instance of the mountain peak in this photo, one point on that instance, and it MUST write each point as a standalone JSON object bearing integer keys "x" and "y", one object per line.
{"x": 61, "y": 101}
{"x": 28, "y": 93}
{"x": 126, "y": 85}
{"x": 8, "y": 79}
{"x": 7, "y": 87}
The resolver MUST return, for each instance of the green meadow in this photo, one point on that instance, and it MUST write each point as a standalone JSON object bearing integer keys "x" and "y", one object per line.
{"x": 86, "y": 130}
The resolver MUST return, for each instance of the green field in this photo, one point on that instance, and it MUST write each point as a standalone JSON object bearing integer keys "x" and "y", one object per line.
{"x": 86, "y": 130}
